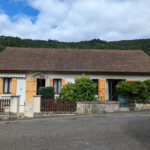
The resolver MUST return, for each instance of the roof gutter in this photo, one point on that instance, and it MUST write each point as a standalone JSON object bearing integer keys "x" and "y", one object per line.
{"x": 74, "y": 71}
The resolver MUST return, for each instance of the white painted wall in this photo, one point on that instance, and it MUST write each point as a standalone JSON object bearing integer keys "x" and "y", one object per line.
{"x": 70, "y": 76}
{"x": 21, "y": 90}
{"x": 21, "y": 82}
{"x": 107, "y": 90}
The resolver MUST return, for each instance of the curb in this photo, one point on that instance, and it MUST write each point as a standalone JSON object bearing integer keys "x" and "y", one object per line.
{"x": 75, "y": 115}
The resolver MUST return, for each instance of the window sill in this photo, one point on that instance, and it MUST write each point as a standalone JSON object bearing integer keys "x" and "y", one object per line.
{"x": 5, "y": 94}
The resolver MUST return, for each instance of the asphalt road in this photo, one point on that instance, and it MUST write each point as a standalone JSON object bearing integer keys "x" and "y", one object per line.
{"x": 97, "y": 132}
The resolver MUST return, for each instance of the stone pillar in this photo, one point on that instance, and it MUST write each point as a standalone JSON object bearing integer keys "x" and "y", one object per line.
{"x": 14, "y": 104}
{"x": 37, "y": 103}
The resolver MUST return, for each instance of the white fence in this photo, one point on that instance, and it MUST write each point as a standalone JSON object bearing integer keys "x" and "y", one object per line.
{"x": 32, "y": 106}
{"x": 29, "y": 105}
{"x": 28, "y": 108}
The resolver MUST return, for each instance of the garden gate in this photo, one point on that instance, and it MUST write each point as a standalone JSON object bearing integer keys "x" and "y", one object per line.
{"x": 125, "y": 101}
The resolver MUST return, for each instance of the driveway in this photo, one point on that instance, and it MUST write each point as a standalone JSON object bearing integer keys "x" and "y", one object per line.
{"x": 95, "y": 132}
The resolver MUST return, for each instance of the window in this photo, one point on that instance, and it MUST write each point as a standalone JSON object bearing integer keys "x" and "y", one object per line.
{"x": 7, "y": 86}
{"x": 96, "y": 81}
{"x": 57, "y": 86}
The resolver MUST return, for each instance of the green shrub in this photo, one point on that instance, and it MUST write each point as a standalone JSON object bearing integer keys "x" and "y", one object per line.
{"x": 147, "y": 82}
{"x": 84, "y": 88}
{"x": 67, "y": 92}
{"x": 46, "y": 92}
{"x": 136, "y": 90}
{"x": 81, "y": 90}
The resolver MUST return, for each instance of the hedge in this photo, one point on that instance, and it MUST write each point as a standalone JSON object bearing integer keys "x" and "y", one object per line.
{"x": 136, "y": 90}
{"x": 46, "y": 92}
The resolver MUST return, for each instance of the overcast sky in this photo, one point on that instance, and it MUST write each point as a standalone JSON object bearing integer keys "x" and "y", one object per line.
{"x": 75, "y": 20}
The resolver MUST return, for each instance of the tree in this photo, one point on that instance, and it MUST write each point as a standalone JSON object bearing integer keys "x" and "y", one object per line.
{"x": 142, "y": 44}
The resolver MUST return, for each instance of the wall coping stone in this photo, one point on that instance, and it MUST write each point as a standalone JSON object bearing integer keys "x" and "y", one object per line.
{"x": 15, "y": 95}
{"x": 37, "y": 96}
{"x": 142, "y": 102}
{"x": 4, "y": 113}
{"x": 98, "y": 102}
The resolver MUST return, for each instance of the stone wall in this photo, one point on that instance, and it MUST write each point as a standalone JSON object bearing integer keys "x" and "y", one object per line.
{"x": 12, "y": 111}
{"x": 84, "y": 107}
{"x": 7, "y": 115}
{"x": 142, "y": 106}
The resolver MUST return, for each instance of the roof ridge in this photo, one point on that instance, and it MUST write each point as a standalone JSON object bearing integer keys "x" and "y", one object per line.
{"x": 72, "y": 49}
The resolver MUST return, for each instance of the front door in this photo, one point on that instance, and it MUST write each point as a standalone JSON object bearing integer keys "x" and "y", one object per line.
{"x": 40, "y": 83}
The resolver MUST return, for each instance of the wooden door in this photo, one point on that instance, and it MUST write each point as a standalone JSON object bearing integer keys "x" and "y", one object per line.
{"x": 30, "y": 88}
{"x": 40, "y": 83}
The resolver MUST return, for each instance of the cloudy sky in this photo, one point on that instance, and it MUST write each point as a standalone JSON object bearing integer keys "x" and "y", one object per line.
{"x": 75, "y": 20}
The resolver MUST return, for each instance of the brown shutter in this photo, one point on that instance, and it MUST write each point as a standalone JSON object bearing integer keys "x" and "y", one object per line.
{"x": 130, "y": 79}
{"x": 102, "y": 89}
{"x": 13, "y": 88}
{"x": 0, "y": 86}
{"x": 63, "y": 82}
{"x": 30, "y": 88}
{"x": 51, "y": 82}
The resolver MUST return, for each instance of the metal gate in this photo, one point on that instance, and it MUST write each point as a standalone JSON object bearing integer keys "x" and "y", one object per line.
{"x": 125, "y": 101}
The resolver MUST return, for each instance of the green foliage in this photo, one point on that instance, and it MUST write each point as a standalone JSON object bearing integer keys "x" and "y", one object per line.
{"x": 46, "y": 92}
{"x": 67, "y": 92}
{"x": 81, "y": 90}
{"x": 141, "y": 44}
{"x": 96, "y": 98}
{"x": 84, "y": 88}
{"x": 57, "y": 97}
{"x": 136, "y": 90}
{"x": 147, "y": 82}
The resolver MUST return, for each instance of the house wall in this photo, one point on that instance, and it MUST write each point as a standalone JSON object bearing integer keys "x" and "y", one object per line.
{"x": 69, "y": 77}
{"x": 19, "y": 88}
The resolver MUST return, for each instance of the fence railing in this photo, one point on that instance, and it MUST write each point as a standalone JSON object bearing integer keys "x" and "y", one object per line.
{"x": 58, "y": 105}
{"x": 3, "y": 103}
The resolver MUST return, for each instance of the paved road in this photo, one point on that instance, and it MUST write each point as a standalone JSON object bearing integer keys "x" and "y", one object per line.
{"x": 97, "y": 132}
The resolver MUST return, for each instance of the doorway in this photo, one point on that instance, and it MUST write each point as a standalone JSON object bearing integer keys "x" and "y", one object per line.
{"x": 40, "y": 83}
{"x": 113, "y": 96}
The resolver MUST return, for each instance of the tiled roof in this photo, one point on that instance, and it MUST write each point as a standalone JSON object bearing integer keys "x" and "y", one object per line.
{"x": 74, "y": 60}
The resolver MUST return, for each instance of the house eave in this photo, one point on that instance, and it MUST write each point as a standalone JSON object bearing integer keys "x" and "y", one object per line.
{"x": 96, "y": 71}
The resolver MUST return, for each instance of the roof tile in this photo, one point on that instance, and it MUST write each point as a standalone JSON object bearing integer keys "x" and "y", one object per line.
{"x": 13, "y": 58}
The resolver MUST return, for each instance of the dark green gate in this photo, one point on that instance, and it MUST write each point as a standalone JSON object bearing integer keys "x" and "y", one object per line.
{"x": 125, "y": 101}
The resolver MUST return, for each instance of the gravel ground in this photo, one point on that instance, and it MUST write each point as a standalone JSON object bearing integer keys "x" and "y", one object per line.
{"x": 95, "y": 132}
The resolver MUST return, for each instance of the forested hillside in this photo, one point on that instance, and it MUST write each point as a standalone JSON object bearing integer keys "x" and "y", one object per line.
{"x": 140, "y": 44}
